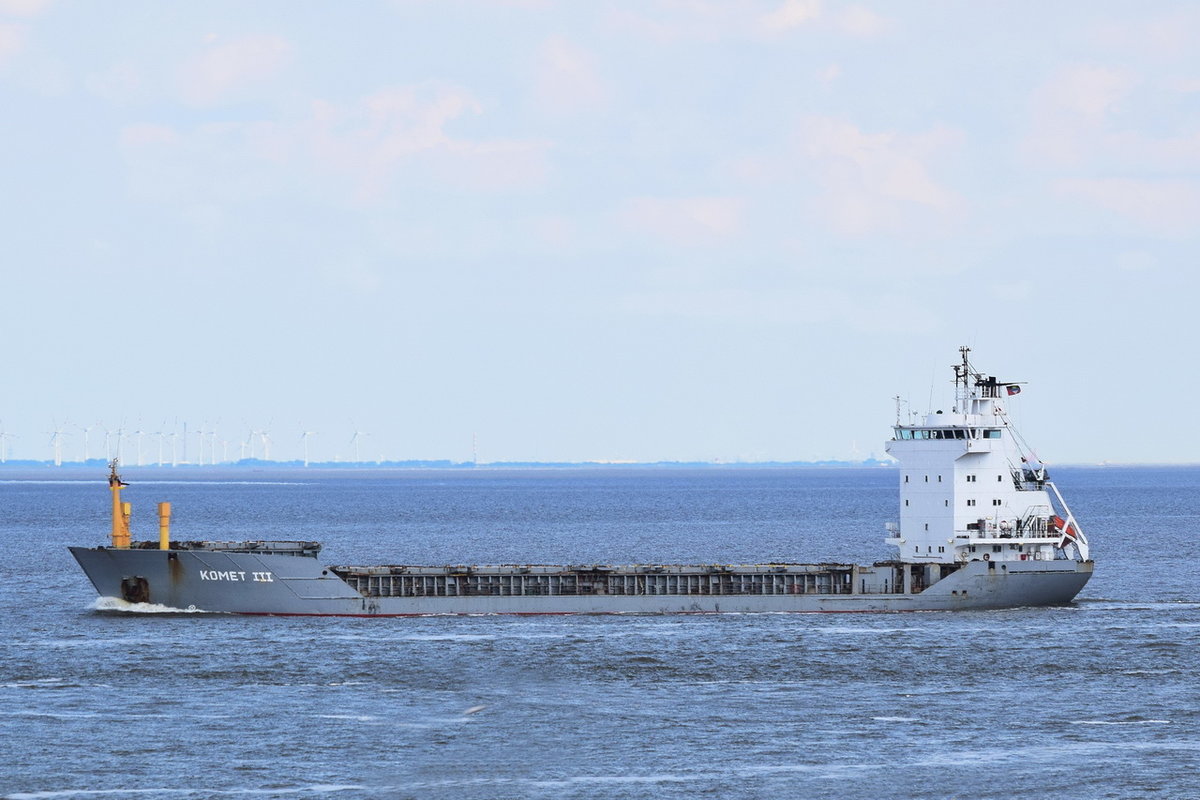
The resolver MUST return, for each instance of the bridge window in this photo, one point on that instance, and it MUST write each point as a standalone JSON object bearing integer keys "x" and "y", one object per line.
{"x": 991, "y": 434}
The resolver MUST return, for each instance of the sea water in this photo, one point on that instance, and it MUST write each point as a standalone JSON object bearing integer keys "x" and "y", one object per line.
{"x": 1095, "y": 700}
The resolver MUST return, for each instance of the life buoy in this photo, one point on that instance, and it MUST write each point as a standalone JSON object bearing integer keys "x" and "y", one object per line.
{"x": 987, "y": 556}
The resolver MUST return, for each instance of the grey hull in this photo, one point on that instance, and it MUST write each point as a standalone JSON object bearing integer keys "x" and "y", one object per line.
{"x": 264, "y": 583}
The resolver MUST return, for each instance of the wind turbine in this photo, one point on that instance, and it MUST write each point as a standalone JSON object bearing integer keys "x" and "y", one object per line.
{"x": 86, "y": 430}
{"x": 356, "y": 440}
{"x": 200, "y": 436}
{"x": 4, "y": 437}
{"x": 107, "y": 448}
{"x": 139, "y": 433}
{"x": 56, "y": 438}
{"x": 305, "y": 437}
{"x": 161, "y": 437}
{"x": 266, "y": 443}
{"x": 174, "y": 449}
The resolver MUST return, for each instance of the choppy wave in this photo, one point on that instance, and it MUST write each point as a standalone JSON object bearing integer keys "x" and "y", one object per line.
{"x": 312, "y": 789}
{"x": 1120, "y": 722}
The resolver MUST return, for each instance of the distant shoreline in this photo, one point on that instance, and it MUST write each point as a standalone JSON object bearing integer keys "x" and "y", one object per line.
{"x": 258, "y": 465}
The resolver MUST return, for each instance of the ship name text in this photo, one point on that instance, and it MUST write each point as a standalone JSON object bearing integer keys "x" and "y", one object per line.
{"x": 235, "y": 575}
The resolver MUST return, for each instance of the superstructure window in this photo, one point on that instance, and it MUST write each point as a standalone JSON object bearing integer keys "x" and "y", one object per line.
{"x": 997, "y": 502}
{"x": 969, "y": 502}
{"x": 991, "y": 434}
{"x": 970, "y": 479}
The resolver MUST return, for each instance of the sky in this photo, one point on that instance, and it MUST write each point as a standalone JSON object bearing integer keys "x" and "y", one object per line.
{"x": 604, "y": 231}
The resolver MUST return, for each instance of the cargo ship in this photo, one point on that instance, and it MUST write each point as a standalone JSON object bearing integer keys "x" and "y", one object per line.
{"x": 981, "y": 526}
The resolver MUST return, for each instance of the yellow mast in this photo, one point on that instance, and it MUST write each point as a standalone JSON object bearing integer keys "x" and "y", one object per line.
{"x": 120, "y": 511}
{"x": 164, "y": 526}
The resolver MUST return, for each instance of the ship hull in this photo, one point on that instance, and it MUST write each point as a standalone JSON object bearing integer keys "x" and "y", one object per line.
{"x": 272, "y": 584}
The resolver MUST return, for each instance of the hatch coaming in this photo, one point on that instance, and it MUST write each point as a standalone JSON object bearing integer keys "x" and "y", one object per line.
{"x": 633, "y": 580}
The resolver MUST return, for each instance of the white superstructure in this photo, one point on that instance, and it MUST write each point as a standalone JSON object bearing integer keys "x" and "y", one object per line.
{"x": 970, "y": 490}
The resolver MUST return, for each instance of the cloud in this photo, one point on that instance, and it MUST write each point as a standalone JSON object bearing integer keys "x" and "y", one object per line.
{"x": 684, "y": 220}
{"x": 227, "y": 69}
{"x": 1079, "y": 120}
{"x": 789, "y": 15}
{"x": 23, "y": 8}
{"x": 878, "y": 182}
{"x": 120, "y": 83}
{"x": 1071, "y": 109}
{"x": 360, "y": 151}
{"x": 830, "y": 308}
{"x": 713, "y": 20}
{"x": 1167, "y": 206}
{"x": 568, "y": 79}
{"x": 1083, "y": 126}
{"x": 147, "y": 135}
{"x": 717, "y": 20}
{"x": 861, "y": 22}
{"x": 12, "y": 39}
{"x": 405, "y": 128}
{"x": 1162, "y": 36}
